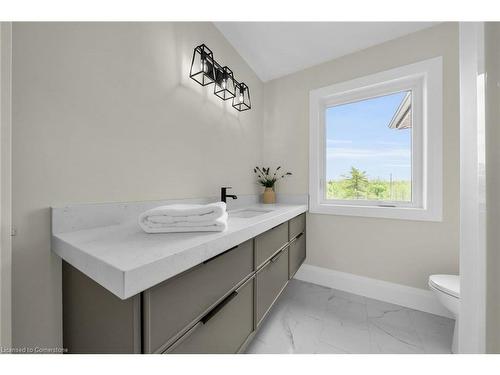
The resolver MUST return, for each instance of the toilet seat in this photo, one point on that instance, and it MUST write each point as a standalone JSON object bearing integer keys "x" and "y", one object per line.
{"x": 449, "y": 284}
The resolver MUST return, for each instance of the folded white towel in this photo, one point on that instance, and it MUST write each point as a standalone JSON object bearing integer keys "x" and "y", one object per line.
{"x": 217, "y": 225}
{"x": 185, "y": 218}
{"x": 185, "y": 212}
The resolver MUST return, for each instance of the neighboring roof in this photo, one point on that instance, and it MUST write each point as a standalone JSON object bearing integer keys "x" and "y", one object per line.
{"x": 402, "y": 119}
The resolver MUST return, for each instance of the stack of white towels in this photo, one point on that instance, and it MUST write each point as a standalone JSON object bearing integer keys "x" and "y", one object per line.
{"x": 185, "y": 218}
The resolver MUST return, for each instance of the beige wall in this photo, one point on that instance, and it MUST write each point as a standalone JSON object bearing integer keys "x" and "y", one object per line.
{"x": 399, "y": 251}
{"x": 107, "y": 112}
{"x": 492, "y": 67}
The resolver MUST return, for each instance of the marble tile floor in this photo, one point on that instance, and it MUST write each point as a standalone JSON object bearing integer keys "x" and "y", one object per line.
{"x": 309, "y": 318}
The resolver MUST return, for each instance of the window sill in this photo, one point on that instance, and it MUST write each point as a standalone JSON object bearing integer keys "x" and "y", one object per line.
{"x": 399, "y": 213}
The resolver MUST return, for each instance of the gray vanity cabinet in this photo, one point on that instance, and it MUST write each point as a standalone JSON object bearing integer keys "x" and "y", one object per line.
{"x": 297, "y": 225}
{"x": 297, "y": 253}
{"x": 271, "y": 279}
{"x": 224, "y": 330}
{"x": 214, "y": 307}
{"x": 171, "y": 306}
{"x": 95, "y": 320}
{"x": 269, "y": 242}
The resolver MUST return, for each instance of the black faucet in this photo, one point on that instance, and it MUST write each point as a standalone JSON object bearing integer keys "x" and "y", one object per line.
{"x": 224, "y": 195}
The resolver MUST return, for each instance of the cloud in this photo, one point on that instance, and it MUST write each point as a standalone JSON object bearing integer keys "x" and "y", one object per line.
{"x": 338, "y": 142}
{"x": 398, "y": 165}
{"x": 389, "y": 143}
{"x": 365, "y": 153}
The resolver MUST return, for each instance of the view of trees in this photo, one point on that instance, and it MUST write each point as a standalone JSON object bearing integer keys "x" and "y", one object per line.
{"x": 357, "y": 185}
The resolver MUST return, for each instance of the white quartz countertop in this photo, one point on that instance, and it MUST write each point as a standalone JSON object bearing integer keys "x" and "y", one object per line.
{"x": 126, "y": 260}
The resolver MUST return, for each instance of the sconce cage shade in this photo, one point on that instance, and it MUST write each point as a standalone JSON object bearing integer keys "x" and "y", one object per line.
{"x": 241, "y": 100}
{"x": 224, "y": 83}
{"x": 202, "y": 65}
{"x": 205, "y": 70}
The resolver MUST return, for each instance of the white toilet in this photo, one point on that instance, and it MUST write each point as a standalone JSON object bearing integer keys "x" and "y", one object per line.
{"x": 447, "y": 289}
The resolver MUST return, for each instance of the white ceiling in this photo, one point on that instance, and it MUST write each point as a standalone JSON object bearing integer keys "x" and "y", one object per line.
{"x": 275, "y": 49}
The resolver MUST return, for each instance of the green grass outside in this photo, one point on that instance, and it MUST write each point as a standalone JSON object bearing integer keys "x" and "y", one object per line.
{"x": 376, "y": 189}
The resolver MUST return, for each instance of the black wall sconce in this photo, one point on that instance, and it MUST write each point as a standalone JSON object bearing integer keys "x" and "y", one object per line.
{"x": 205, "y": 70}
{"x": 202, "y": 66}
{"x": 224, "y": 83}
{"x": 241, "y": 100}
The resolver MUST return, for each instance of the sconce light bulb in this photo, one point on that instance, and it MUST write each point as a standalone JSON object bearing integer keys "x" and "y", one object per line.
{"x": 241, "y": 97}
{"x": 224, "y": 83}
{"x": 204, "y": 65}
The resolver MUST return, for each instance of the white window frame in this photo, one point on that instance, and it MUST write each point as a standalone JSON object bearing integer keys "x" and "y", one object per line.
{"x": 424, "y": 79}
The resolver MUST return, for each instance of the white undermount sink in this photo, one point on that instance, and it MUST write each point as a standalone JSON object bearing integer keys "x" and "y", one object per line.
{"x": 248, "y": 212}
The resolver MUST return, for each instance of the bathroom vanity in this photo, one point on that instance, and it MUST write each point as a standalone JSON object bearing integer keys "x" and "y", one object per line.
{"x": 213, "y": 293}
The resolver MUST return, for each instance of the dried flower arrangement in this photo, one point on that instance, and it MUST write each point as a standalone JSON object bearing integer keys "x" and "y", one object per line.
{"x": 268, "y": 180}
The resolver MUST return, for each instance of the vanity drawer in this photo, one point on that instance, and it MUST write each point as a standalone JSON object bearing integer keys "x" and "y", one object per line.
{"x": 270, "y": 281}
{"x": 224, "y": 329}
{"x": 297, "y": 226}
{"x": 297, "y": 254}
{"x": 269, "y": 242}
{"x": 174, "y": 304}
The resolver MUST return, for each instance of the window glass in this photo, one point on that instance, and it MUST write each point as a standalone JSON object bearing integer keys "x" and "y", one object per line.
{"x": 368, "y": 149}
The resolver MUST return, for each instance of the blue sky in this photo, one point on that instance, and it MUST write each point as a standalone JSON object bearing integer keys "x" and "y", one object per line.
{"x": 357, "y": 135}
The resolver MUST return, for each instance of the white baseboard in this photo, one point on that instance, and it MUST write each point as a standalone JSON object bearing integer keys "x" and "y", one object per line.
{"x": 407, "y": 296}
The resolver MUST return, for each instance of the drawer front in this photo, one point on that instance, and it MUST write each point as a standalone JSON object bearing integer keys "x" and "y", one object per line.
{"x": 270, "y": 280}
{"x": 269, "y": 242}
{"x": 222, "y": 331}
{"x": 297, "y": 226}
{"x": 174, "y": 304}
{"x": 297, "y": 254}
